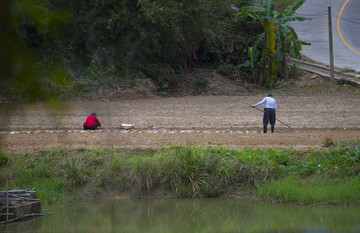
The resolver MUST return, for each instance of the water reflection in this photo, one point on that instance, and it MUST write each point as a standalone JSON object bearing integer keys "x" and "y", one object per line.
{"x": 207, "y": 215}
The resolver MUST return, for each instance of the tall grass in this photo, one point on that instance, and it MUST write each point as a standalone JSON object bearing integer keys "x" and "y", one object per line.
{"x": 181, "y": 171}
{"x": 294, "y": 189}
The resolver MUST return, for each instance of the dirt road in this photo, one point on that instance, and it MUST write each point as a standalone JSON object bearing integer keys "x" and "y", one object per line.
{"x": 202, "y": 120}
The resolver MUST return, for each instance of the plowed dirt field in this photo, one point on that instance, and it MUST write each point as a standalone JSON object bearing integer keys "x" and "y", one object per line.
{"x": 194, "y": 120}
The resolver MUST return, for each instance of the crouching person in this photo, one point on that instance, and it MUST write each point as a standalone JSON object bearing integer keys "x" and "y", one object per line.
{"x": 92, "y": 122}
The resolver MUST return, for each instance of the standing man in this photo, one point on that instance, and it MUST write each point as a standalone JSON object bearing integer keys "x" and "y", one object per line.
{"x": 269, "y": 111}
{"x": 92, "y": 122}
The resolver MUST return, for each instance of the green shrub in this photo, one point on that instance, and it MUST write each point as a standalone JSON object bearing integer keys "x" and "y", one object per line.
{"x": 227, "y": 70}
{"x": 74, "y": 172}
{"x": 4, "y": 158}
{"x": 202, "y": 82}
{"x": 347, "y": 69}
{"x": 144, "y": 172}
{"x": 118, "y": 162}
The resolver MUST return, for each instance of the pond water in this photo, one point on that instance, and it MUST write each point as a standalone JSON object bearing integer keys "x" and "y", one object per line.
{"x": 190, "y": 215}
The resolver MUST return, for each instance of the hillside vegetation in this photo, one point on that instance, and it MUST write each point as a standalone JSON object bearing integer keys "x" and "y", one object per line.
{"x": 76, "y": 48}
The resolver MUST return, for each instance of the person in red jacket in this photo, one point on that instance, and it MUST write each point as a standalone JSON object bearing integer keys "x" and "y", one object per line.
{"x": 92, "y": 122}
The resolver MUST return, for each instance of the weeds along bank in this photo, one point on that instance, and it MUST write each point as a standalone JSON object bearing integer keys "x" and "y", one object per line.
{"x": 330, "y": 176}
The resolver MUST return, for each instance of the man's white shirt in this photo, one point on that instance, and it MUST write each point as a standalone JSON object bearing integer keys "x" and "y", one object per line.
{"x": 269, "y": 103}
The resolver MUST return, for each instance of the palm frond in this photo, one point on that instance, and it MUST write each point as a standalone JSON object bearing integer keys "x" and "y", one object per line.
{"x": 289, "y": 18}
{"x": 268, "y": 8}
{"x": 293, "y": 7}
{"x": 255, "y": 9}
{"x": 252, "y": 14}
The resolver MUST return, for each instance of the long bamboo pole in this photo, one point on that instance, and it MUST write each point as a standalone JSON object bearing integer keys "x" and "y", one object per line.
{"x": 276, "y": 119}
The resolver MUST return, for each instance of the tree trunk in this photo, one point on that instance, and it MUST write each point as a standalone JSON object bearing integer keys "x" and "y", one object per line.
{"x": 284, "y": 70}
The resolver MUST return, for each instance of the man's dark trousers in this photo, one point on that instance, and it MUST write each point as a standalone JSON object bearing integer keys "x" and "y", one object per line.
{"x": 269, "y": 114}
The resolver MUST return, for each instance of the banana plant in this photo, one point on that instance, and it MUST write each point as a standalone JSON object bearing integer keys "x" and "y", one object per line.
{"x": 278, "y": 37}
{"x": 288, "y": 40}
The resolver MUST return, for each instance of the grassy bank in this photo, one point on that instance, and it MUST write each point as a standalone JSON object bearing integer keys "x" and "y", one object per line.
{"x": 331, "y": 175}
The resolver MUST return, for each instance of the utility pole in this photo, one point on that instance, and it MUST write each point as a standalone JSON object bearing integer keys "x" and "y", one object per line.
{"x": 331, "y": 51}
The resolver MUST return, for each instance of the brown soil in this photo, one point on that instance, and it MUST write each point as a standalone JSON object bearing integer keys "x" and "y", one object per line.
{"x": 192, "y": 120}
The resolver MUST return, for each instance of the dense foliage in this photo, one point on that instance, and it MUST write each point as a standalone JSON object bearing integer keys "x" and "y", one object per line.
{"x": 75, "y": 46}
{"x": 268, "y": 55}
{"x": 302, "y": 176}
{"x": 114, "y": 40}
{"x": 117, "y": 40}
